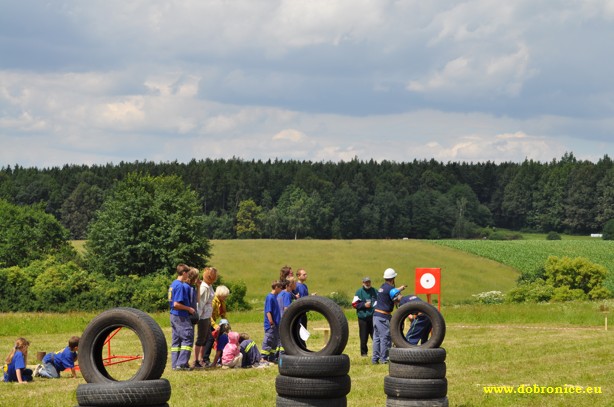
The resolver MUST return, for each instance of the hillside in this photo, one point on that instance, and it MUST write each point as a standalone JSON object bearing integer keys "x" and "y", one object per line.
{"x": 339, "y": 265}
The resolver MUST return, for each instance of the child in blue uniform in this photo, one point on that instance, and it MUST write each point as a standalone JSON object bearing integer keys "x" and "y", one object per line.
{"x": 54, "y": 363}
{"x": 272, "y": 316}
{"x": 420, "y": 327}
{"x": 15, "y": 368}
{"x": 180, "y": 296}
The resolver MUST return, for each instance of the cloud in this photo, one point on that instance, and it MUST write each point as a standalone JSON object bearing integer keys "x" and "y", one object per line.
{"x": 292, "y": 135}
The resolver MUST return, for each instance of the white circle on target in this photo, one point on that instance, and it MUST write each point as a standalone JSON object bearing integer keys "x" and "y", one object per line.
{"x": 427, "y": 280}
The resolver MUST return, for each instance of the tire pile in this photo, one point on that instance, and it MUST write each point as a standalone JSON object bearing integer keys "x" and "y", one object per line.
{"x": 308, "y": 378}
{"x": 145, "y": 388}
{"x": 416, "y": 374}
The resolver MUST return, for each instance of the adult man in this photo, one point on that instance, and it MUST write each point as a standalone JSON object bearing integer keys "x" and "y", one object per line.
{"x": 301, "y": 287}
{"x": 387, "y": 295}
{"x": 364, "y": 303}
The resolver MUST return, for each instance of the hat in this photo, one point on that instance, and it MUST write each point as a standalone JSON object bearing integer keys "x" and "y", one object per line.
{"x": 224, "y": 322}
{"x": 364, "y": 280}
{"x": 395, "y": 294}
{"x": 389, "y": 274}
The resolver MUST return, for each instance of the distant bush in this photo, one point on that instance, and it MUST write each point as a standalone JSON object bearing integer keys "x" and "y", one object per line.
{"x": 505, "y": 236}
{"x": 536, "y": 291}
{"x": 608, "y": 230}
{"x": 341, "y": 299}
{"x": 553, "y": 236}
{"x": 489, "y": 297}
{"x": 578, "y": 273}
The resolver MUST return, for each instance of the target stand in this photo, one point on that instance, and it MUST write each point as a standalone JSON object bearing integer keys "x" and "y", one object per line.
{"x": 428, "y": 281}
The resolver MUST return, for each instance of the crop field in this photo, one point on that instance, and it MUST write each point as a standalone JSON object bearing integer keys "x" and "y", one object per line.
{"x": 528, "y": 255}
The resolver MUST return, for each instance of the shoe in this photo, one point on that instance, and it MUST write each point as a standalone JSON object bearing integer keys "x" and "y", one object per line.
{"x": 184, "y": 368}
{"x": 364, "y": 355}
{"x": 374, "y": 362}
{"x": 198, "y": 365}
{"x": 37, "y": 371}
{"x": 225, "y": 367}
{"x": 383, "y": 362}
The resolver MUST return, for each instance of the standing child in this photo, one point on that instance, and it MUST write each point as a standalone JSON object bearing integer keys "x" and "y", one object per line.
{"x": 231, "y": 355}
{"x": 54, "y": 363}
{"x": 205, "y": 310}
{"x": 272, "y": 316}
{"x": 182, "y": 330}
{"x": 15, "y": 368}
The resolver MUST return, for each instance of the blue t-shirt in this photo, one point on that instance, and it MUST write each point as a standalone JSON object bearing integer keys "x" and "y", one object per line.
{"x": 384, "y": 302}
{"x": 179, "y": 292}
{"x": 271, "y": 305}
{"x": 302, "y": 289}
{"x": 284, "y": 299}
{"x": 251, "y": 354}
{"x": 222, "y": 341}
{"x": 408, "y": 298}
{"x": 18, "y": 362}
{"x": 62, "y": 360}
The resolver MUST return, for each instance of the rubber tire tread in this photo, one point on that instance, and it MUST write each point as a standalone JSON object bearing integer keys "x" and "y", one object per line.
{"x": 313, "y": 388}
{"x": 397, "y": 321}
{"x": 416, "y": 355}
{"x": 155, "y": 350}
{"x": 304, "y": 402}
{"x": 415, "y": 388}
{"x": 289, "y": 332}
{"x": 417, "y": 370}
{"x": 314, "y": 366}
{"x": 402, "y": 402}
{"x": 128, "y": 393}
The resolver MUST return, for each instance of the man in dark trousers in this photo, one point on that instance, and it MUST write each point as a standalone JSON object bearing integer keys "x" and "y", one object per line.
{"x": 364, "y": 303}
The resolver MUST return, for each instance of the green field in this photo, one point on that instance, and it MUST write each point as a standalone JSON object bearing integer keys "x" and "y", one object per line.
{"x": 488, "y": 345}
{"x": 547, "y": 344}
{"x": 339, "y": 265}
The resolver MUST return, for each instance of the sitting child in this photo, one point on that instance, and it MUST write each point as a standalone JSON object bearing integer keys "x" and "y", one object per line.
{"x": 15, "y": 368}
{"x": 54, "y": 363}
{"x": 221, "y": 340}
{"x": 231, "y": 355}
{"x": 251, "y": 354}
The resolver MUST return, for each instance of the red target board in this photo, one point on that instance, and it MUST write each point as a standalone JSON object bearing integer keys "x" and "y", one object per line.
{"x": 428, "y": 281}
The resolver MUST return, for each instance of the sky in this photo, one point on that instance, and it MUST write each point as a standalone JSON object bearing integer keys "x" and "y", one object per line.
{"x": 97, "y": 82}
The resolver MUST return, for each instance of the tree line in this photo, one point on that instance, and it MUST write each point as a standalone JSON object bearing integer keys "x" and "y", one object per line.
{"x": 344, "y": 200}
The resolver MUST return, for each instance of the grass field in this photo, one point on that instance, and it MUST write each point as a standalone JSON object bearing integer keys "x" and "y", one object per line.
{"x": 339, "y": 265}
{"x": 488, "y": 345}
{"x": 546, "y": 344}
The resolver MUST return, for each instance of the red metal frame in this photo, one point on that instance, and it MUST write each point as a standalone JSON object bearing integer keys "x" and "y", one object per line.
{"x": 110, "y": 359}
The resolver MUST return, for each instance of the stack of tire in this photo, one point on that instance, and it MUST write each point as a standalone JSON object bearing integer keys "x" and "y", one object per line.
{"x": 313, "y": 378}
{"x": 145, "y": 388}
{"x": 417, "y": 374}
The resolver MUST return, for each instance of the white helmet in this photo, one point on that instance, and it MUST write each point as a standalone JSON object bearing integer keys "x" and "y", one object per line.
{"x": 389, "y": 274}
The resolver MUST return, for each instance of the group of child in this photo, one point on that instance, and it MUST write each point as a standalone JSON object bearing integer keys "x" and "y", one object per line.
{"x": 16, "y": 370}
{"x": 283, "y": 292}
{"x": 194, "y": 306}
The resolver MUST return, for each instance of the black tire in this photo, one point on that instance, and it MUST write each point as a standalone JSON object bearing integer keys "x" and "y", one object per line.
{"x": 289, "y": 326}
{"x": 303, "y": 402}
{"x": 400, "y": 402}
{"x": 153, "y": 405}
{"x": 416, "y": 355}
{"x": 313, "y": 388}
{"x": 415, "y": 388}
{"x": 150, "y": 334}
{"x": 314, "y": 366}
{"x": 397, "y": 322}
{"x": 417, "y": 371}
{"x": 129, "y": 393}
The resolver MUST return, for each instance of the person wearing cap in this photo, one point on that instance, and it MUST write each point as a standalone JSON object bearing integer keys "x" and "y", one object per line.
{"x": 364, "y": 302}
{"x": 387, "y": 296}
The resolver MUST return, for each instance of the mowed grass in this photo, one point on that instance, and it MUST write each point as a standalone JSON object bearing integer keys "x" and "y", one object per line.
{"x": 339, "y": 265}
{"x": 494, "y": 345}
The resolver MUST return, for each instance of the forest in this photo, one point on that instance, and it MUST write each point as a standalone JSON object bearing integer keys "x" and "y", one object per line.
{"x": 357, "y": 199}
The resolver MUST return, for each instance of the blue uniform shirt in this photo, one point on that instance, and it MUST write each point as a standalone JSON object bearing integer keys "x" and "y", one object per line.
{"x": 178, "y": 292}
{"x": 18, "y": 362}
{"x": 302, "y": 289}
{"x": 62, "y": 360}
{"x": 384, "y": 302}
{"x": 271, "y": 305}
